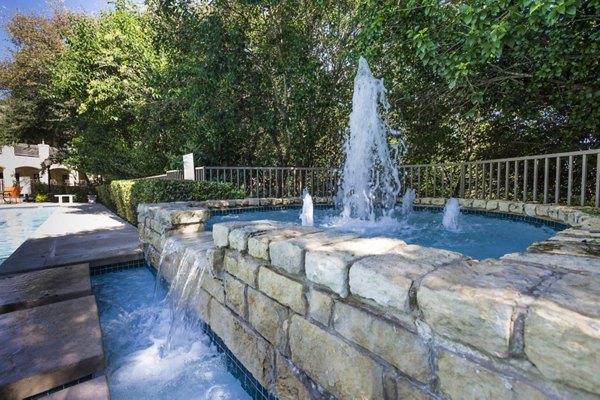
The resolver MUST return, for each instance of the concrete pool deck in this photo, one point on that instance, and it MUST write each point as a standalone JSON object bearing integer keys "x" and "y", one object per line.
{"x": 73, "y": 234}
{"x": 49, "y": 323}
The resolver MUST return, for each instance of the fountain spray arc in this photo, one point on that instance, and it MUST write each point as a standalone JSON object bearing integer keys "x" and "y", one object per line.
{"x": 369, "y": 183}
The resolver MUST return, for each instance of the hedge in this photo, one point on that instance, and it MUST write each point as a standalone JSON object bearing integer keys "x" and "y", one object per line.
{"x": 80, "y": 192}
{"x": 124, "y": 196}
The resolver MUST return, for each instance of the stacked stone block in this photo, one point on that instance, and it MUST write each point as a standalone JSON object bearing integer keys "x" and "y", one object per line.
{"x": 316, "y": 314}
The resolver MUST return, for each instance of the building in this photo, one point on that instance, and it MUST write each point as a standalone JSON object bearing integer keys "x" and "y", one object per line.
{"x": 22, "y": 164}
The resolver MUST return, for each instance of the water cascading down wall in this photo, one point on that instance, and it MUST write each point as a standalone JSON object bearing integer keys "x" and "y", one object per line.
{"x": 315, "y": 314}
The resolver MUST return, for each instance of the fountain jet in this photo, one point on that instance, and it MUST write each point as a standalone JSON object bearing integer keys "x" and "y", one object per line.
{"x": 369, "y": 183}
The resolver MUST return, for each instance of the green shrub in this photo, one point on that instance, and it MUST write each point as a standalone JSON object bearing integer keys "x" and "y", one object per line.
{"x": 125, "y": 195}
{"x": 41, "y": 198}
{"x": 105, "y": 197}
{"x": 80, "y": 192}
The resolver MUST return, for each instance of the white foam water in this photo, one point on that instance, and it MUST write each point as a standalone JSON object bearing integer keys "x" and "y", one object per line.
{"x": 306, "y": 217}
{"x": 148, "y": 355}
{"x": 369, "y": 183}
{"x": 451, "y": 213}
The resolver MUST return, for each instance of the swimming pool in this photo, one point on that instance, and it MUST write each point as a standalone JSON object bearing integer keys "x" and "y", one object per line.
{"x": 17, "y": 224}
{"x": 479, "y": 235}
{"x": 152, "y": 351}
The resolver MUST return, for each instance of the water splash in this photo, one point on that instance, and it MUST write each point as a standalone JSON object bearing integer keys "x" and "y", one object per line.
{"x": 168, "y": 250}
{"x": 369, "y": 183}
{"x": 307, "y": 209}
{"x": 407, "y": 201}
{"x": 451, "y": 213}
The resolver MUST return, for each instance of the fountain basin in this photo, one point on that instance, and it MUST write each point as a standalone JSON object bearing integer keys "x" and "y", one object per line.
{"x": 339, "y": 313}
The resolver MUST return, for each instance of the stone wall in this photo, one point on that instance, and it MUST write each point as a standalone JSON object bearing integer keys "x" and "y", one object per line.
{"x": 315, "y": 314}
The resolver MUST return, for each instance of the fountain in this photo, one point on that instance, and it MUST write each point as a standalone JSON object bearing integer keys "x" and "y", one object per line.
{"x": 369, "y": 183}
{"x": 307, "y": 209}
{"x": 451, "y": 213}
{"x": 407, "y": 201}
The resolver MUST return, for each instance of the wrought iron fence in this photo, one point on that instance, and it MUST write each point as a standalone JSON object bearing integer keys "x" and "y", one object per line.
{"x": 563, "y": 178}
{"x": 273, "y": 181}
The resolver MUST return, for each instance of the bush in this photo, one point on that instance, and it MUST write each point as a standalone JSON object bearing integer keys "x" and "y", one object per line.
{"x": 125, "y": 195}
{"x": 41, "y": 198}
{"x": 80, "y": 192}
{"x": 105, "y": 197}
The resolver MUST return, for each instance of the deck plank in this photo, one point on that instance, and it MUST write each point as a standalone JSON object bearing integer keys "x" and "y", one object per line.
{"x": 27, "y": 290}
{"x": 48, "y": 346}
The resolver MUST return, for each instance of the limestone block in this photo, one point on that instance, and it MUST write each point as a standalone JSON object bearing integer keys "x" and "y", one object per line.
{"x": 399, "y": 347}
{"x": 189, "y": 216}
{"x": 425, "y": 201}
{"x": 530, "y": 209}
{"x": 464, "y": 379}
{"x": 238, "y": 237}
{"x": 179, "y": 229}
{"x": 542, "y": 210}
{"x": 328, "y": 265}
{"x": 277, "y": 201}
{"x": 583, "y": 249}
{"x": 251, "y": 350}
{"x": 287, "y": 383}
{"x": 201, "y": 305}
{"x": 222, "y": 230}
{"x": 386, "y": 279}
{"x": 258, "y": 245}
{"x": 437, "y": 201}
{"x": 334, "y": 364}
{"x": 477, "y": 305}
{"x": 235, "y": 295}
{"x": 562, "y": 332}
{"x": 320, "y": 306}
{"x": 242, "y": 267}
{"x": 289, "y": 254}
{"x": 491, "y": 205}
{"x": 516, "y": 208}
{"x": 428, "y": 255}
{"x": 504, "y": 205}
{"x": 282, "y": 289}
{"x": 478, "y": 203}
{"x": 468, "y": 203}
{"x": 400, "y": 388}
{"x": 557, "y": 261}
{"x": 269, "y": 318}
{"x": 214, "y": 287}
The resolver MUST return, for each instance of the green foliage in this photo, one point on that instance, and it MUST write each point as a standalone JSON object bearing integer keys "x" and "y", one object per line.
{"x": 41, "y": 198}
{"x": 477, "y": 79}
{"x": 104, "y": 195}
{"x": 124, "y": 196}
{"x": 100, "y": 86}
{"x": 80, "y": 192}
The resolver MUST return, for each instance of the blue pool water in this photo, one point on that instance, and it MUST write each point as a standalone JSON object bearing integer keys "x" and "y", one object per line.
{"x": 17, "y": 224}
{"x": 136, "y": 327}
{"x": 478, "y": 236}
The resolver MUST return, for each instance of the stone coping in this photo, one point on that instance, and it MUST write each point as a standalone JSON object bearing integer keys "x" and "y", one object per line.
{"x": 427, "y": 321}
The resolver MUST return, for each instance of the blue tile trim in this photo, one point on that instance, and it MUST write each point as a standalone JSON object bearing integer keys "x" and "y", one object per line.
{"x": 502, "y": 215}
{"x": 103, "y": 269}
{"x": 61, "y": 387}
{"x": 494, "y": 214}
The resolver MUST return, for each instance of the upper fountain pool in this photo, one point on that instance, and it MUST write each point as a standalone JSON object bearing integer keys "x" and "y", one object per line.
{"x": 477, "y": 235}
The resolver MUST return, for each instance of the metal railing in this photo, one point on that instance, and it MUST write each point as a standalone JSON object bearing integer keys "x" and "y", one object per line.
{"x": 273, "y": 181}
{"x": 562, "y": 178}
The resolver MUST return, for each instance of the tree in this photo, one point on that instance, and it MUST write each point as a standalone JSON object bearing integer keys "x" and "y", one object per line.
{"x": 100, "y": 86}
{"x": 26, "y": 109}
{"x": 487, "y": 79}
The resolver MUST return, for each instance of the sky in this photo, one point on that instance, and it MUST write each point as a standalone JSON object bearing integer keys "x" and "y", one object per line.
{"x": 9, "y": 7}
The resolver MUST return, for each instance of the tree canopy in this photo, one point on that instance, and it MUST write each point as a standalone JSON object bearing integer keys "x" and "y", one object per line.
{"x": 269, "y": 82}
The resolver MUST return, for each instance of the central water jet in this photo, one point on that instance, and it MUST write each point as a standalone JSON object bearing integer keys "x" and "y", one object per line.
{"x": 369, "y": 183}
